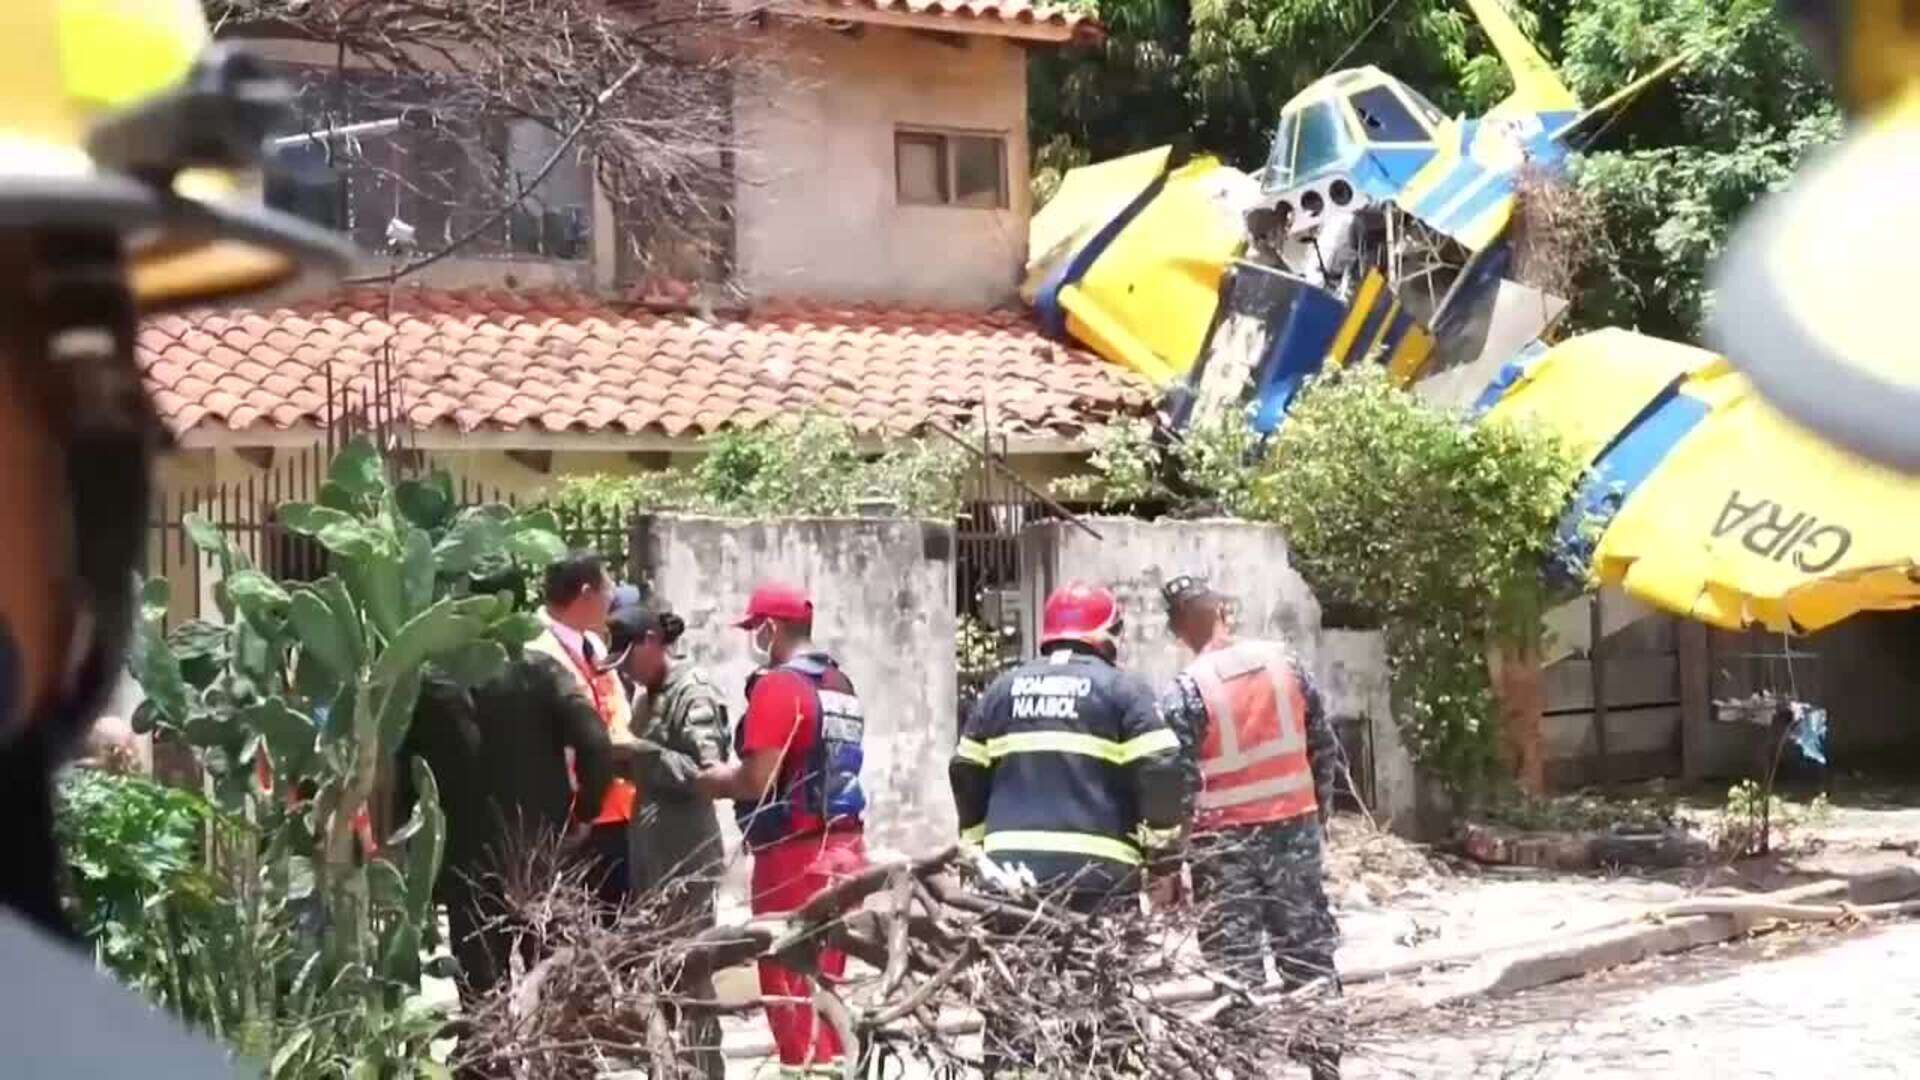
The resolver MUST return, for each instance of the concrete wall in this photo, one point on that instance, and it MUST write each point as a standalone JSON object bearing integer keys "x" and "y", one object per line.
{"x": 884, "y": 606}
{"x": 1253, "y": 564}
{"x": 816, "y": 206}
{"x": 1249, "y": 562}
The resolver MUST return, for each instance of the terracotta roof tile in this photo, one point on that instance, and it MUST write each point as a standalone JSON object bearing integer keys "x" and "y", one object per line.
{"x": 474, "y": 360}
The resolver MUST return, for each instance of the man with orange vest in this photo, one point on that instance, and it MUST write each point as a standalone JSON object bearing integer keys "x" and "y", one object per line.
{"x": 1258, "y": 735}
{"x": 579, "y": 593}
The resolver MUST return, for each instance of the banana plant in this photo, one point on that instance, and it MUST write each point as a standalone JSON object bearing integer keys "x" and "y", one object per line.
{"x": 298, "y": 701}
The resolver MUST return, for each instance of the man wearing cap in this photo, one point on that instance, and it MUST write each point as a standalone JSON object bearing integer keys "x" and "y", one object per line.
{"x": 797, "y": 796}
{"x": 676, "y": 850}
{"x": 1256, "y": 732}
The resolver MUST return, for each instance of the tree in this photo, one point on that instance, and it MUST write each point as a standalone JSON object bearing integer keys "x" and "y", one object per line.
{"x": 1672, "y": 173}
{"x": 466, "y": 114}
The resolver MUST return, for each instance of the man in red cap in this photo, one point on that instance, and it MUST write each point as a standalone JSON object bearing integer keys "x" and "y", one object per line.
{"x": 797, "y": 796}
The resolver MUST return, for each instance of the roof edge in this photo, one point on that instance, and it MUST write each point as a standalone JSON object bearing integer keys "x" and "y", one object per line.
{"x": 1052, "y": 27}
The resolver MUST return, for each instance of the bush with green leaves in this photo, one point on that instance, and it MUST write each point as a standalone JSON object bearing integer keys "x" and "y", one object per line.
{"x": 296, "y": 704}
{"x": 810, "y": 466}
{"x": 1438, "y": 530}
{"x": 136, "y": 883}
{"x": 1205, "y": 472}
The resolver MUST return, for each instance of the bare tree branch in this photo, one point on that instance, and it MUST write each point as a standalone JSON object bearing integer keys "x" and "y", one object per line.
{"x": 639, "y": 91}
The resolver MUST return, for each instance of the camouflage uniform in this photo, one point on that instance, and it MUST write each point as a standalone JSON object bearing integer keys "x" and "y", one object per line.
{"x": 1265, "y": 877}
{"x": 675, "y": 844}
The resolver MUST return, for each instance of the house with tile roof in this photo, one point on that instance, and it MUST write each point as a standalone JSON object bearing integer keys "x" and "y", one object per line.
{"x": 878, "y": 230}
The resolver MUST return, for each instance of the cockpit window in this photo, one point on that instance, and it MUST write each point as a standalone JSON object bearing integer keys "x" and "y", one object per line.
{"x": 1309, "y": 142}
{"x": 1427, "y": 109}
{"x": 1385, "y": 119}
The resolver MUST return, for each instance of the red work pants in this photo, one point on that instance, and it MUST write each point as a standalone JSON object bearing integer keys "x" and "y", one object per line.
{"x": 786, "y": 876}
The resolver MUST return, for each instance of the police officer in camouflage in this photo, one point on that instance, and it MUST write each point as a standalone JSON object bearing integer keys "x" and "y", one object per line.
{"x": 1256, "y": 732}
{"x": 675, "y": 849}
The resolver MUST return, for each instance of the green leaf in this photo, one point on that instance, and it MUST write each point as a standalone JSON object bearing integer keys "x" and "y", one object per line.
{"x": 205, "y": 535}
{"x": 426, "y": 503}
{"x": 514, "y": 631}
{"x": 400, "y": 959}
{"x": 325, "y": 635}
{"x": 375, "y": 581}
{"x": 473, "y": 537}
{"x": 290, "y": 1052}
{"x": 386, "y": 886}
{"x": 359, "y": 472}
{"x": 417, "y": 573}
{"x": 156, "y": 597}
{"x": 257, "y": 595}
{"x": 289, "y": 735}
{"x": 335, "y": 497}
{"x": 434, "y": 632}
{"x": 397, "y": 707}
{"x": 351, "y": 539}
{"x": 308, "y": 519}
{"x": 474, "y": 663}
{"x": 426, "y": 842}
{"x": 155, "y": 668}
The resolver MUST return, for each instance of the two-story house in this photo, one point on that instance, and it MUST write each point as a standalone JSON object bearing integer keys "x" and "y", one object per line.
{"x": 878, "y": 231}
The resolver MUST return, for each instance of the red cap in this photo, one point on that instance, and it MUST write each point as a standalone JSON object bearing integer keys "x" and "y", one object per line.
{"x": 776, "y": 600}
{"x": 1081, "y": 612}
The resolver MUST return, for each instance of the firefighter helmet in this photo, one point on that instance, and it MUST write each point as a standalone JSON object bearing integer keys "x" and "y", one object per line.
{"x": 1077, "y": 611}
{"x": 122, "y": 117}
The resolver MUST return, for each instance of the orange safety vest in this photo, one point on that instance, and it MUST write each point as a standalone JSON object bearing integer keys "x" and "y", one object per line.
{"x": 1253, "y": 765}
{"x": 611, "y": 703}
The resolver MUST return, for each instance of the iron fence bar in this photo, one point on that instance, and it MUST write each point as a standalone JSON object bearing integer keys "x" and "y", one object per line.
{"x": 1007, "y": 473}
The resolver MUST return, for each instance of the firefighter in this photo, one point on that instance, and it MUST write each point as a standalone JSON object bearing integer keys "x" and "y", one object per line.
{"x": 1065, "y": 775}
{"x": 125, "y": 138}
{"x": 579, "y": 594}
{"x": 797, "y": 797}
{"x": 1258, "y": 736}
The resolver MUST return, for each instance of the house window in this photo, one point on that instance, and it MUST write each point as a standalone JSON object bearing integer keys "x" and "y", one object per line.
{"x": 935, "y": 168}
{"x": 362, "y": 157}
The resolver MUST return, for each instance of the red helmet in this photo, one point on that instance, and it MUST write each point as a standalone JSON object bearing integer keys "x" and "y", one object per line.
{"x": 1081, "y": 612}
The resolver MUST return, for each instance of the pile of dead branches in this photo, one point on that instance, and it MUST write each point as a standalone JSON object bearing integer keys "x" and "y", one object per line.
{"x": 1558, "y": 232}
{"x": 946, "y": 975}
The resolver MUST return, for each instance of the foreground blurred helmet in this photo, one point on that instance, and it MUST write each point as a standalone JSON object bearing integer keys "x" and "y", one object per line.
{"x": 127, "y": 139}
{"x": 1814, "y": 296}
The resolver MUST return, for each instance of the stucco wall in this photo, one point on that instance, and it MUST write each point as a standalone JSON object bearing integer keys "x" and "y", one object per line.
{"x": 884, "y": 607}
{"x": 1253, "y": 565}
{"x": 1249, "y": 562}
{"x": 816, "y": 206}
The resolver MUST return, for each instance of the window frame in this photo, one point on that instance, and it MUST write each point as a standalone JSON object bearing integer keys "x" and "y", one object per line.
{"x": 944, "y": 139}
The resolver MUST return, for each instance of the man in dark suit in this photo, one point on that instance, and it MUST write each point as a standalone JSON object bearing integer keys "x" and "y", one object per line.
{"x": 499, "y": 754}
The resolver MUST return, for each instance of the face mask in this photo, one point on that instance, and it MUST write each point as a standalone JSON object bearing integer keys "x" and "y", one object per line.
{"x": 761, "y": 644}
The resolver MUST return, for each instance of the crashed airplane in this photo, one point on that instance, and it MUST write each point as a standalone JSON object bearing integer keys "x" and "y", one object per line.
{"x": 1378, "y": 232}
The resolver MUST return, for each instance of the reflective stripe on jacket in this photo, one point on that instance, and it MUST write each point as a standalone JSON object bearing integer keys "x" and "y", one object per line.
{"x": 1065, "y": 768}
{"x": 1253, "y": 764}
{"x": 610, "y": 701}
